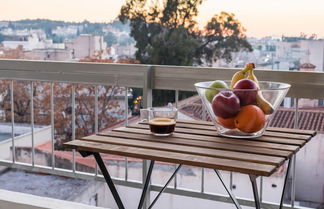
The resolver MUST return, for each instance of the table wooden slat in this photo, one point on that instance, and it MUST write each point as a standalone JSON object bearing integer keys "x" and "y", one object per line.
{"x": 174, "y": 157}
{"x": 275, "y": 139}
{"x": 204, "y": 144}
{"x": 266, "y": 133}
{"x": 273, "y": 129}
{"x": 217, "y": 139}
{"x": 192, "y": 150}
{"x": 293, "y": 131}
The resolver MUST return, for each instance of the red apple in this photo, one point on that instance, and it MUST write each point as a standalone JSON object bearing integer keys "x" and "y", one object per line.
{"x": 246, "y": 97}
{"x": 226, "y": 104}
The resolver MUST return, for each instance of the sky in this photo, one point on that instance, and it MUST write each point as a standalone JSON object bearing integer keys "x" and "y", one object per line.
{"x": 259, "y": 17}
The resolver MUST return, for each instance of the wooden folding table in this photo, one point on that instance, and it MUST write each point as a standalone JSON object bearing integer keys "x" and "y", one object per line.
{"x": 196, "y": 143}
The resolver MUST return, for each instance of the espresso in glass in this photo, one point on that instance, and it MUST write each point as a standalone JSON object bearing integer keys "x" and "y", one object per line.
{"x": 162, "y": 126}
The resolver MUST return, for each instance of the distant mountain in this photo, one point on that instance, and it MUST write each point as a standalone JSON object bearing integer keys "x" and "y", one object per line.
{"x": 113, "y": 32}
{"x": 47, "y": 24}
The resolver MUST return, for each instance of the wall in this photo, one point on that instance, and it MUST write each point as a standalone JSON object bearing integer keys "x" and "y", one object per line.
{"x": 24, "y": 140}
{"x": 96, "y": 188}
{"x": 16, "y": 200}
{"x": 310, "y": 171}
{"x": 86, "y": 45}
{"x": 50, "y": 54}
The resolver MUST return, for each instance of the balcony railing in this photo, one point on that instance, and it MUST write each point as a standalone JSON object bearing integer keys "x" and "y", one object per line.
{"x": 148, "y": 77}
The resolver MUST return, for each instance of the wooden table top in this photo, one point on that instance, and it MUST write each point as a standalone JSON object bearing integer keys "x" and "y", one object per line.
{"x": 196, "y": 143}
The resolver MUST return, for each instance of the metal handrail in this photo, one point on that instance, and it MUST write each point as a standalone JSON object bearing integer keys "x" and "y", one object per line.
{"x": 303, "y": 84}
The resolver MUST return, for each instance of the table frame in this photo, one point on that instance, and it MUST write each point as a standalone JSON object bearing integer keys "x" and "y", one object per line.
{"x": 120, "y": 204}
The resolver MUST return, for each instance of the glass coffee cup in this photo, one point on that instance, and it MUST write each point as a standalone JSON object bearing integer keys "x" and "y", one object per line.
{"x": 162, "y": 121}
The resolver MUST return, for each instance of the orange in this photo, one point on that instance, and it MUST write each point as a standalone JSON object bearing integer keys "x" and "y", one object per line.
{"x": 250, "y": 119}
{"x": 226, "y": 123}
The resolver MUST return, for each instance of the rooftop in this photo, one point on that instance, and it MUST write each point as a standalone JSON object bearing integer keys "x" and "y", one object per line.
{"x": 42, "y": 185}
{"x": 308, "y": 65}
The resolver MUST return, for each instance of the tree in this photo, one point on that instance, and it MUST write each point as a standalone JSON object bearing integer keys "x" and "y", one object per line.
{"x": 109, "y": 109}
{"x": 110, "y": 38}
{"x": 167, "y": 34}
{"x": 125, "y": 40}
{"x": 2, "y": 38}
{"x": 222, "y": 36}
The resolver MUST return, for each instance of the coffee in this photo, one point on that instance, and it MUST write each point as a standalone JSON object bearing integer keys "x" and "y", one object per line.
{"x": 162, "y": 126}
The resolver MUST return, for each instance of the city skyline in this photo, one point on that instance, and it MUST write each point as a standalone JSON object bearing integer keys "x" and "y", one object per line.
{"x": 260, "y": 18}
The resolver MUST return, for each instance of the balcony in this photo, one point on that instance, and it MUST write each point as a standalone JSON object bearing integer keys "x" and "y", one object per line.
{"x": 65, "y": 84}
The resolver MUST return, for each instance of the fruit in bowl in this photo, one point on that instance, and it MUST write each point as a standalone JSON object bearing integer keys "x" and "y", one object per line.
{"x": 246, "y": 97}
{"x": 212, "y": 91}
{"x": 245, "y": 108}
{"x": 226, "y": 104}
{"x": 250, "y": 119}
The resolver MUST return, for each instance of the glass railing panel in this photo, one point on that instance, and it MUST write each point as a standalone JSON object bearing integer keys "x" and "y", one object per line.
{"x": 63, "y": 132}
{"x": 22, "y": 122}
{"x": 7, "y": 124}
{"x": 310, "y": 161}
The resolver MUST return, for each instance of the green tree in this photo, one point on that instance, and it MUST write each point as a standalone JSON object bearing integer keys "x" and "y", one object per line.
{"x": 166, "y": 33}
{"x": 2, "y": 37}
{"x": 110, "y": 38}
{"x": 92, "y": 28}
{"x": 125, "y": 40}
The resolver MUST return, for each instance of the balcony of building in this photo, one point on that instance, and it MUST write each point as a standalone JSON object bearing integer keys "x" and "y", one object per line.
{"x": 45, "y": 103}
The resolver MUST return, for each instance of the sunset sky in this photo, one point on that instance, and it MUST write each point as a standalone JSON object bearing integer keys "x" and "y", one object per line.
{"x": 259, "y": 17}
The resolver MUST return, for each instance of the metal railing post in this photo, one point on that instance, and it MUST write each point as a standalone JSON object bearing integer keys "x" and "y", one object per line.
{"x": 148, "y": 87}
{"x": 126, "y": 124}
{"x": 202, "y": 183}
{"x": 32, "y": 121}
{"x": 176, "y": 99}
{"x": 96, "y": 111}
{"x": 126, "y": 106}
{"x": 147, "y": 102}
{"x": 73, "y": 126}
{"x": 96, "y": 121}
{"x": 231, "y": 181}
{"x": 12, "y": 122}
{"x": 293, "y": 169}
{"x": 52, "y": 123}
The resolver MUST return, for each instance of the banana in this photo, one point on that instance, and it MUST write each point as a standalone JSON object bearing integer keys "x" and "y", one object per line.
{"x": 241, "y": 74}
{"x": 252, "y": 77}
{"x": 265, "y": 106}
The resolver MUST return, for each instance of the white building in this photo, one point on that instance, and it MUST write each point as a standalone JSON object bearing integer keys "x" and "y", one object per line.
{"x": 66, "y": 31}
{"x": 24, "y": 32}
{"x": 314, "y": 53}
{"x": 86, "y": 45}
{"x": 56, "y": 54}
{"x": 4, "y": 24}
{"x": 127, "y": 51}
{"x": 302, "y": 51}
{"x": 33, "y": 42}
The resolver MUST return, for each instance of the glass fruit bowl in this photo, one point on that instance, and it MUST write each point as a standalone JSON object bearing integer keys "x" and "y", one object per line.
{"x": 242, "y": 113}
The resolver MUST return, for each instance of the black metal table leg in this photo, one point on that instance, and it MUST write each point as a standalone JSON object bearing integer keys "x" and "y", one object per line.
{"x": 255, "y": 191}
{"x": 284, "y": 186}
{"x": 165, "y": 186}
{"x": 255, "y": 188}
{"x": 108, "y": 179}
{"x": 146, "y": 184}
{"x": 237, "y": 205}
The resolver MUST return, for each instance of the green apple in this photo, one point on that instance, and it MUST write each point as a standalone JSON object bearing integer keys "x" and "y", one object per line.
{"x": 210, "y": 93}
